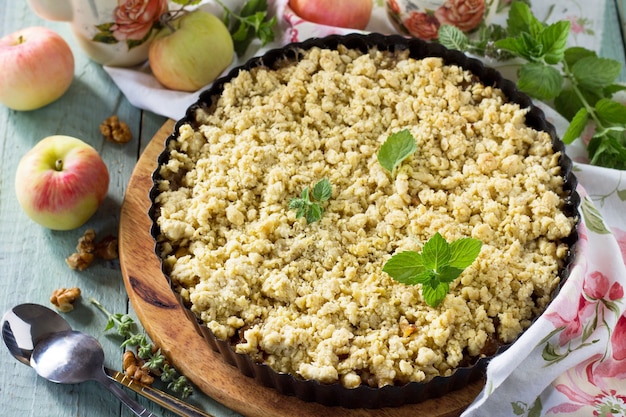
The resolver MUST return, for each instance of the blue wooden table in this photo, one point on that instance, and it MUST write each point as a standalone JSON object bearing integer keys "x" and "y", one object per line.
{"x": 32, "y": 258}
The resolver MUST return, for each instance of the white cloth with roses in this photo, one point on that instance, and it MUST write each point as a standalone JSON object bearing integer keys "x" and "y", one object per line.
{"x": 572, "y": 360}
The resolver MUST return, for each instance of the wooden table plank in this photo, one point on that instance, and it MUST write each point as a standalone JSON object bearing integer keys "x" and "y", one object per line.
{"x": 32, "y": 258}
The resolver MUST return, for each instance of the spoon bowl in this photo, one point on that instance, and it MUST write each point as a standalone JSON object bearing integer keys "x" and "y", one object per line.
{"x": 72, "y": 357}
{"x": 25, "y": 325}
{"x": 69, "y": 357}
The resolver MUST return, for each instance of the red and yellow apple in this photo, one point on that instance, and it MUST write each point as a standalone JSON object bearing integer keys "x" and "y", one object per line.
{"x": 37, "y": 67}
{"x": 61, "y": 182}
{"x": 354, "y": 14}
{"x": 191, "y": 52}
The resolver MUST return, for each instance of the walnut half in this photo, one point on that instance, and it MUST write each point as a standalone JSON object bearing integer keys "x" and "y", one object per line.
{"x": 115, "y": 130}
{"x": 133, "y": 368}
{"x": 63, "y": 298}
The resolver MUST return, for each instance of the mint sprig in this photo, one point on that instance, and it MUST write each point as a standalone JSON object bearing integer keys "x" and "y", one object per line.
{"x": 251, "y": 22}
{"x": 308, "y": 205}
{"x": 438, "y": 265}
{"x": 397, "y": 148}
{"x": 580, "y": 84}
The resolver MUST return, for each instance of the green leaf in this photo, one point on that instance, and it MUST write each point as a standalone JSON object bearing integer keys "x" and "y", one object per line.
{"x": 523, "y": 45}
{"x": 435, "y": 295}
{"x": 397, "y": 148}
{"x": 611, "y": 112}
{"x": 595, "y": 73}
{"x": 322, "y": 191}
{"x": 449, "y": 273}
{"x": 621, "y": 194}
{"x": 404, "y": 266}
{"x": 567, "y": 103}
{"x": 537, "y": 409}
{"x": 593, "y": 218}
{"x": 432, "y": 267}
{"x": 314, "y": 213}
{"x": 104, "y": 37}
{"x": 464, "y": 252}
{"x": 554, "y": 40}
{"x": 608, "y": 151}
{"x": 452, "y": 37}
{"x": 436, "y": 253}
{"x": 521, "y": 20}
{"x": 576, "y": 127}
{"x": 576, "y": 53}
{"x": 308, "y": 209}
{"x": 540, "y": 81}
{"x": 614, "y": 88}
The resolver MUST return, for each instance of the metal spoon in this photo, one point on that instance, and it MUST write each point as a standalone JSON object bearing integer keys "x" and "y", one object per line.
{"x": 25, "y": 325}
{"x": 71, "y": 357}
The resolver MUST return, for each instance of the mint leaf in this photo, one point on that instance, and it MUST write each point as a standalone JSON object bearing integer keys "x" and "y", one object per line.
{"x": 554, "y": 39}
{"x": 449, "y": 273}
{"x": 311, "y": 210}
{"x": 322, "y": 190}
{"x": 397, "y": 148}
{"x": 521, "y": 20}
{"x": 540, "y": 81}
{"x": 405, "y": 266}
{"x": 463, "y": 252}
{"x": 439, "y": 264}
{"x": 576, "y": 127}
{"x": 436, "y": 253}
{"x": 596, "y": 73}
{"x": 435, "y": 295}
{"x": 251, "y": 22}
{"x": 576, "y": 53}
{"x": 611, "y": 112}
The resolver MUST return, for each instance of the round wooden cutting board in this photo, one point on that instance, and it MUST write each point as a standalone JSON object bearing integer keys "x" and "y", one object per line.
{"x": 169, "y": 327}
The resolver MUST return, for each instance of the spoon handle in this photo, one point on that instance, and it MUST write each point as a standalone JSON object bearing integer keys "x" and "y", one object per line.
{"x": 138, "y": 409}
{"x": 162, "y": 398}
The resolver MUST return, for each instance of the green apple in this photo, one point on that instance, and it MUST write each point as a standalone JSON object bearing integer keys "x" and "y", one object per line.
{"x": 191, "y": 51}
{"x": 61, "y": 182}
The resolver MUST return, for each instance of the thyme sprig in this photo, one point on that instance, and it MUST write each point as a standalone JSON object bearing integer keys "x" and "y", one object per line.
{"x": 154, "y": 359}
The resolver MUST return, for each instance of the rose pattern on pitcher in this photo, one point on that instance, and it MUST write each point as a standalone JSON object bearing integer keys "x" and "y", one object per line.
{"x": 464, "y": 14}
{"x": 424, "y": 22}
{"x": 133, "y": 22}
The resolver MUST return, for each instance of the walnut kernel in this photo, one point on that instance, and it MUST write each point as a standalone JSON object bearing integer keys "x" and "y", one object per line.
{"x": 133, "y": 368}
{"x": 79, "y": 261}
{"x": 115, "y": 130}
{"x": 64, "y": 298}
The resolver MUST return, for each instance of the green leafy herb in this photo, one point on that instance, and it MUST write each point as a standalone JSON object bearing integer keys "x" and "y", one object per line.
{"x": 439, "y": 264}
{"x": 251, "y": 22}
{"x": 155, "y": 360}
{"x": 397, "y": 148}
{"x": 580, "y": 83}
{"x": 308, "y": 204}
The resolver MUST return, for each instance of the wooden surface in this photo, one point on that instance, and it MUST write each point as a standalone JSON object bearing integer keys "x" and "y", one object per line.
{"x": 32, "y": 258}
{"x": 158, "y": 308}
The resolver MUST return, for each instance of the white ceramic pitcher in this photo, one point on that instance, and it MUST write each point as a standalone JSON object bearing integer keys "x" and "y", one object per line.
{"x": 111, "y": 32}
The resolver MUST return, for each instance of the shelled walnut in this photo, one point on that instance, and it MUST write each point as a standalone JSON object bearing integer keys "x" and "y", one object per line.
{"x": 133, "y": 368}
{"x": 63, "y": 298}
{"x": 115, "y": 130}
{"x": 89, "y": 249}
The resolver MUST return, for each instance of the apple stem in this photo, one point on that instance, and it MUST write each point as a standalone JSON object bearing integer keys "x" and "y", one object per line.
{"x": 58, "y": 165}
{"x": 169, "y": 16}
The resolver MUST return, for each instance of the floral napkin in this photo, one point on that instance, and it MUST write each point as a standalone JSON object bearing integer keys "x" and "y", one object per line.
{"x": 572, "y": 360}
